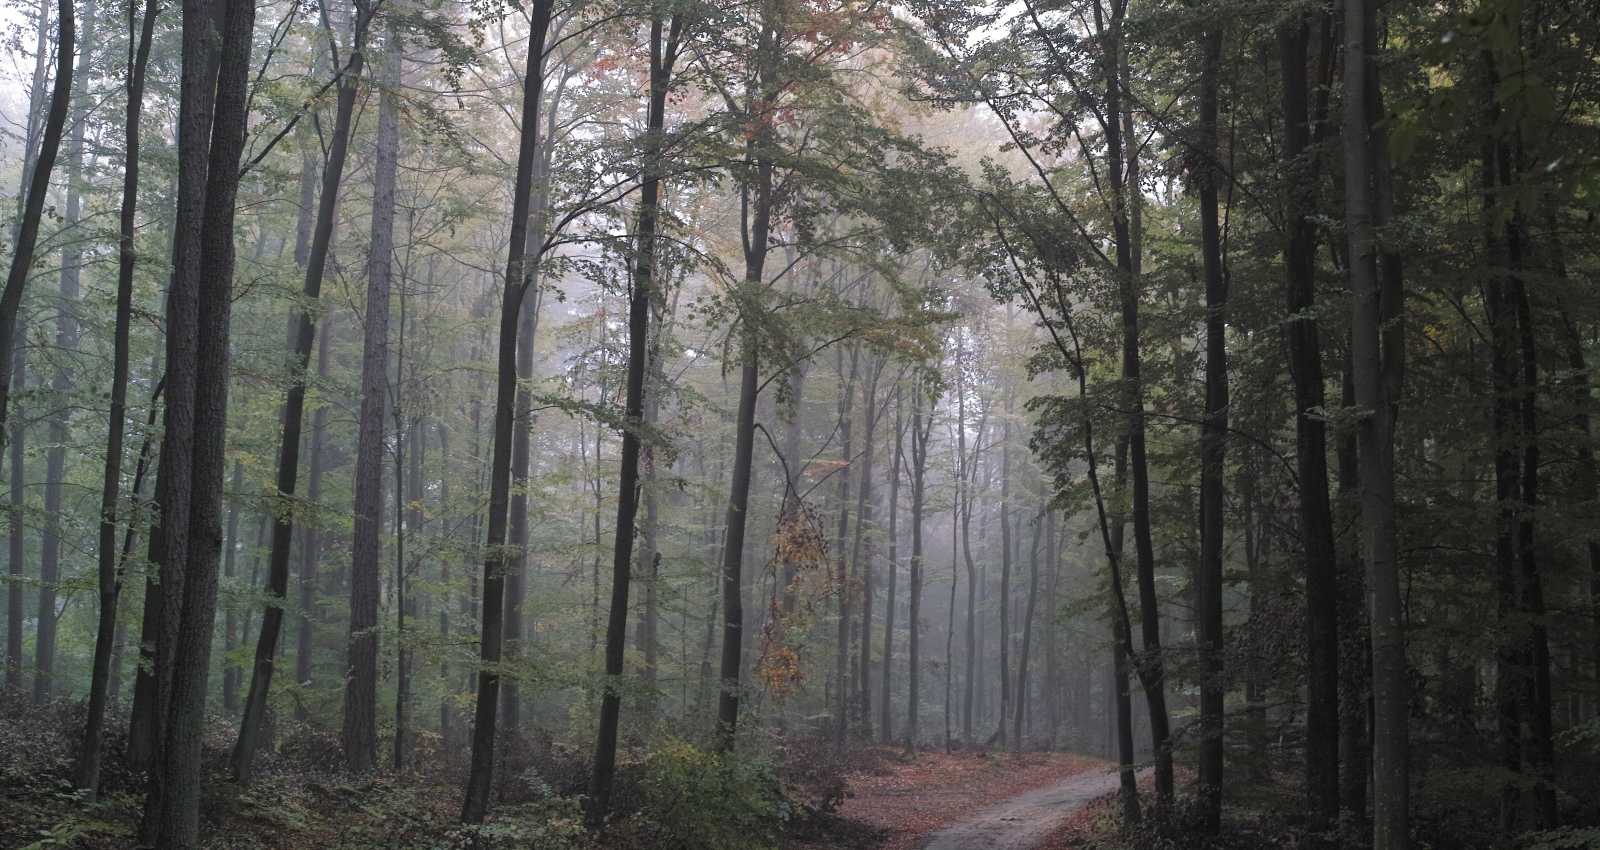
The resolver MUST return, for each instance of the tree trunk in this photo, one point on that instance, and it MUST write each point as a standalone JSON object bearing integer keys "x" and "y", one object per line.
{"x": 1377, "y": 370}
{"x": 104, "y": 680}
{"x": 1005, "y": 575}
{"x": 641, "y": 297}
{"x": 176, "y": 783}
{"x": 841, "y": 718}
{"x": 921, "y": 428}
{"x": 862, "y": 558}
{"x": 1027, "y": 637}
{"x": 27, "y": 235}
{"x": 1311, "y": 447}
{"x": 360, "y": 715}
{"x": 230, "y": 629}
{"x": 518, "y": 267}
{"x": 1213, "y": 451}
{"x": 61, "y": 385}
{"x": 885, "y": 709}
{"x": 304, "y": 335}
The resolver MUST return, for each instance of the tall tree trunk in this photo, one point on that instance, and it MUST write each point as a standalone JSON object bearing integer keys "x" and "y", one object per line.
{"x": 230, "y": 629}
{"x": 1027, "y": 637}
{"x": 311, "y": 532}
{"x": 15, "y": 601}
{"x": 885, "y": 698}
{"x": 1150, "y": 664}
{"x": 61, "y": 385}
{"x": 1377, "y": 368}
{"x": 1311, "y": 446}
{"x": 921, "y": 429}
{"x": 304, "y": 335}
{"x": 27, "y": 235}
{"x": 641, "y": 297}
{"x": 176, "y": 783}
{"x": 103, "y": 681}
{"x": 862, "y": 558}
{"x": 169, "y": 538}
{"x": 360, "y": 716}
{"x": 518, "y": 268}
{"x": 1005, "y": 575}
{"x": 841, "y": 718}
{"x": 1213, "y": 449}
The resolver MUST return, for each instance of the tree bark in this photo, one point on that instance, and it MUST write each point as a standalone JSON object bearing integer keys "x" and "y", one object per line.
{"x": 885, "y": 708}
{"x": 518, "y": 268}
{"x": 360, "y": 715}
{"x": 641, "y": 298}
{"x": 176, "y": 785}
{"x": 105, "y": 674}
{"x": 1377, "y": 370}
{"x": 304, "y": 335}
{"x": 1213, "y": 450}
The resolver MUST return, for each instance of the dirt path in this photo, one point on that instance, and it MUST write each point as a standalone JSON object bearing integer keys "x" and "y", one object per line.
{"x": 1021, "y": 823}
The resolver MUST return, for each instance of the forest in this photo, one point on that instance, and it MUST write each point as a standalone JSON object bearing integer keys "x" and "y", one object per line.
{"x": 815, "y": 424}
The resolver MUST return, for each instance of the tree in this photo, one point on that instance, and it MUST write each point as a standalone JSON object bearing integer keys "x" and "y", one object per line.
{"x": 360, "y": 729}
{"x": 518, "y": 268}
{"x": 665, "y": 42}
{"x": 109, "y": 575}
{"x": 1377, "y": 367}
{"x": 172, "y": 809}
{"x": 304, "y": 329}
{"x": 1213, "y": 446}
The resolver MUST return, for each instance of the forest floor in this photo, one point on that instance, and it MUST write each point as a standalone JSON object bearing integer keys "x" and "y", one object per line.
{"x": 963, "y": 801}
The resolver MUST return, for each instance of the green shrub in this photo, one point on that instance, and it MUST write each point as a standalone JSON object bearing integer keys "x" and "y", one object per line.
{"x": 695, "y": 799}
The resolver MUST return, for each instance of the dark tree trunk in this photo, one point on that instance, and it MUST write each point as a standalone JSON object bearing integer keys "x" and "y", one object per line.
{"x": 311, "y": 533}
{"x": 27, "y": 235}
{"x": 1213, "y": 450}
{"x": 921, "y": 429}
{"x": 1027, "y": 638}
{"x": 885, "y": 709}
{"x": 176, "y": 782}
{"x": 641, "y": 297}
{"x": 360, "y": 715}
{"x": 105, "y": 679}
{"x": 841, "y": 717}
{"x": 862, "y": 558}
{"x": 230, "y": 628}
{"x": 1311, "y": 442}
{"x": 1005, "y": 576}
{"x": 1150, "y": 664}
{"x": 44, "y": 645}
{"x": 304, "y": 335}
{"x": 1377, "y": 369}
{"x": 518, "y": 268}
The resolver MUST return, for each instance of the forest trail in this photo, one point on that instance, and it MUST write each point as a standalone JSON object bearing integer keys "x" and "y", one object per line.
{"x": 1023, "y": 822}
{"x": 937, "y": 797}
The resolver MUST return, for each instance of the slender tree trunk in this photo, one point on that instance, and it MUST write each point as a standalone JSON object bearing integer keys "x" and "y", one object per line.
{"x": 61, "y": 385}
{"x": 1005, "y": 576}
{"x": 304, "y": 334}
{"x": 641, "y": 297}
{"x": 27, "y": 235}
{"x": 841, "y": 718}
{"x": 311, "y": 532}
{"x": 518, "y": 268}
{"x": 177, "y": 781}
{"x": 1377, "y": 369}
{"x": 1305, "y": 369}
{"x": 230, "y": 629}
{"x": 360, "y": 716}
{"x": 885, "y": 709}
{"x": 862, "y": 557}
{"x": 921, "y": 428}
{"x": 1027, "y": 638}
{"x": 105, "y": 680}
{"x": 1213, "y": 450}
